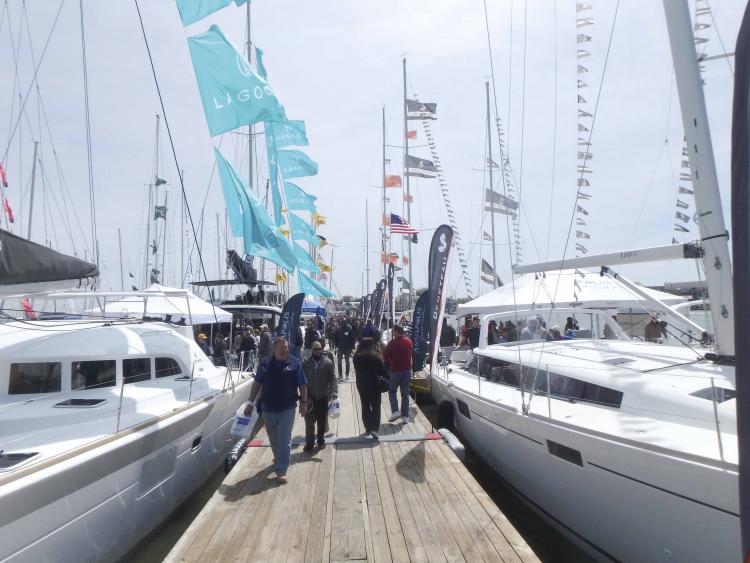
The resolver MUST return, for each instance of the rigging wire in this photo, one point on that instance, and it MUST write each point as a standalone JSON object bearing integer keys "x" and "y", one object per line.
{"x": 554, "y": 139}
{"x": 523, "y": 113}
{"x": 25, "y": 98}
{"x": 721, "y": 41}
{"x": 502, "y": 156}
{"x": 90, "y": 165}
{"x": 171, "y": 143}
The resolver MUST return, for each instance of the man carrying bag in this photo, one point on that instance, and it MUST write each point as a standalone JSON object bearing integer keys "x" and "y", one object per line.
{"x": 321, "y": 388}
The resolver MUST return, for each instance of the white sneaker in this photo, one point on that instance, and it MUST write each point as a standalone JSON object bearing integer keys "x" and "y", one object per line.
{"x": 404, "y": 420}
{"x": 394, "y": 416}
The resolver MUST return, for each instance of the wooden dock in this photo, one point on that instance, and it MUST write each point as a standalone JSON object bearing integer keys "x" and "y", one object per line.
{"x": 404, "y": 498}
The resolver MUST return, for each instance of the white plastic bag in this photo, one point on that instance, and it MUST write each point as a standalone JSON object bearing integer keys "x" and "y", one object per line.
{"x": 243, "y": 425}
{"x": 334, "y": 409}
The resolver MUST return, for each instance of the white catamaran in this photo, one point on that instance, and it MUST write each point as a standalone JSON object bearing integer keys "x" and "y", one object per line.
{"x": 629, "y": 448}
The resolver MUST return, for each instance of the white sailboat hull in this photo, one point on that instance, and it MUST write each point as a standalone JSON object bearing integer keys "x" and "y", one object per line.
{"x": 100, "y": 502}
{"x": 621, "y": 502}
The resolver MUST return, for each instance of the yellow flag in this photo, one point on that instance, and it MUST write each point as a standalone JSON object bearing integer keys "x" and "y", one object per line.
{"x": 319, "y": 219}
{"x": 284, "y": 231}
{"x": 324, "y": 267}
{"x": 280, "y": 277}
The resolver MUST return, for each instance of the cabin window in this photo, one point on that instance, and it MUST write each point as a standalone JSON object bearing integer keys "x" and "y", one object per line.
{"x": 93, "y": 374}
{"x": 166, "y": 367}
{"x": 35, "y": 377}
{"x": 564, "y": 452}
{"x": 560, "y": 386}
{"x": 722, "y": 394}
{"x": 136, "y": 369}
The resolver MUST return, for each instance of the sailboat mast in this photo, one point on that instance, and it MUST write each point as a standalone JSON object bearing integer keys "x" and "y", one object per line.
{"x": 492, "y": 185}
{"x": 383, "y": 225}
{"x": 122, "y": 275}
{"x": 406, "y": 177}
{"x": 713, "y": 232}
{"x": 367, "y": 245}
{"x": 33, "y": 182}
{"x": 151, "y": 211}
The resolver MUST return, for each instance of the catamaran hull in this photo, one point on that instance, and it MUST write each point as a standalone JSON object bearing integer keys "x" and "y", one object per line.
{"x": 97, "y": 505}
{"x": 615, "y": 500}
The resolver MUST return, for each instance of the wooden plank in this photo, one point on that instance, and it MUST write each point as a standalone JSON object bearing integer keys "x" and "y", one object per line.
{"x": 414, "y": 468}
{"x": 316, "y": 531}
{"x": 487, "y": 535}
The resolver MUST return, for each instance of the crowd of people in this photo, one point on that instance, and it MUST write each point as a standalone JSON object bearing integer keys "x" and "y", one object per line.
{"x": 304, "y": 375}
{"x": 533, "y": 328}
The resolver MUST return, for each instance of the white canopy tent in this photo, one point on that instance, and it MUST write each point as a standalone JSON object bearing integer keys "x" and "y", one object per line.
{"x": 566, "y": 288}
{"x": 178, "y": 303}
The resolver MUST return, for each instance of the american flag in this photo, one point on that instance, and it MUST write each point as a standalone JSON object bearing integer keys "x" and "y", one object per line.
{"x": 399, "y": 225}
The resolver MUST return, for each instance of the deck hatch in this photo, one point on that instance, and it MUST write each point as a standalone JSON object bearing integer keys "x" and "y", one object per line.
{"x": 9, "y": 460}
{"x": 80, "y": 403}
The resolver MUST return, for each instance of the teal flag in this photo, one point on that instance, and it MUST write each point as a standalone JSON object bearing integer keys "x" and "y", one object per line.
{"x": 301, "y": 230}
{"x": 273, "y": 174}
{"x": 232, "y": 93}
{"x": 309, "y": 286}
{"x": 290, "y": 133}
{"x": 250, "y": 220}
{"x": 304, "y": 260}
{"x": 259, "y": 63}
{"x": 193, "y": 10}
{"x": 294, "y": 164}
{"x": 297, "y": 199}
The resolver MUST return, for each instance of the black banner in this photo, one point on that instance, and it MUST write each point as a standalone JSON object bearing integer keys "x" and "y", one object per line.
{"x": 366, "y": 303}
{"x": 391, "y": 297}
{"x": 741, "y": 235}
{"x": 440, "y": 250}
{"x": 379, "y": 304}
{"x": 290, "y": 314}
{"x": 420, "y": 331}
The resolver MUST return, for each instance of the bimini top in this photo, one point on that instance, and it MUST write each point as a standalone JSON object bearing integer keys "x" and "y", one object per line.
{"x": 566, "y": 288}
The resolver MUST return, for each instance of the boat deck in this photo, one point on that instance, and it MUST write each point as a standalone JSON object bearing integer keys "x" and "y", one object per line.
{"x": 404, "y": 498}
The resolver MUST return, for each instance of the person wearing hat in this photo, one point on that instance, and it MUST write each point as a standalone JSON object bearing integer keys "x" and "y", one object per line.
{"x": 203, "y": 343}
{"x": 321, "y": 388}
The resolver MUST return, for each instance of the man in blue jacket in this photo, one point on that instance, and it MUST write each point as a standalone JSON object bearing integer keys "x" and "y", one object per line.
{"x": 281, "y": 380}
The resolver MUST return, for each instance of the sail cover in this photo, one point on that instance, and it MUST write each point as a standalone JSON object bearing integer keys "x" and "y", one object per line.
{"x": 27, "y": 267}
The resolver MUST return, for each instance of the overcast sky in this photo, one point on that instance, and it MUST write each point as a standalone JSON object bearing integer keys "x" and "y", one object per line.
{"x": 335, "y": 64}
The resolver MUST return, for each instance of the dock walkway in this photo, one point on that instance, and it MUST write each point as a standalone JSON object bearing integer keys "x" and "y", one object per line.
{"x": 402, "y": 499}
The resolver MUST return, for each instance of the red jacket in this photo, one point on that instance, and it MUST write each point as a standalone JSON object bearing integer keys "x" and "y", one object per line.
{"x": 398, "y": 354}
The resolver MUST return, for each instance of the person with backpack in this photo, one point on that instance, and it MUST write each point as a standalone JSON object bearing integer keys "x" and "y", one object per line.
{"x": 369, "y": 369}
{"x": 345, "y": 338}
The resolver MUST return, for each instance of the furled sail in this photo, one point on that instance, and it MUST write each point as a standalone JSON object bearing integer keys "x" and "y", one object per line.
{"x": 27, "y": 267}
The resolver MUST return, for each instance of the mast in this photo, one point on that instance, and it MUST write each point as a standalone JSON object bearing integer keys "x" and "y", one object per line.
{"x": 383, "y": 238}
{"x": 31, "y": 197}
{"x": 153, "y": 198}
{"x": 122, "y": 275}
{"x": 164, "y": 241}
{"x": 367, "y": 245}
{"x": 218, "y": 247}
{"x": 182, "y": 234}
{"x": 406, "y": 177}
{"x": 492, "y": 185}
{"x": 713, "y": 232}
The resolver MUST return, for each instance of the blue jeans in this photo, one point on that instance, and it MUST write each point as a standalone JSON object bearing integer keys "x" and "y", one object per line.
{"x": 279, "y": 429}
{"x": 400, "y": 380}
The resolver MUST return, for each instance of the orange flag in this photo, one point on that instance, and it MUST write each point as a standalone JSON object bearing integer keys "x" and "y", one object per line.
{"x": 412, "y": 135}
{"x": 393, "y": 181}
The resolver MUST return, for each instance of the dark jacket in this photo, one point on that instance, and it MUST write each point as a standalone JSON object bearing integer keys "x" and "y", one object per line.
{"x": 311, "y": 335}
{"x": 247, "y": 343}
{"x": 369, "y": 368}
{"x": 321, "y": 381}
{"x": 448, "y": 336}
{"x": 265, "y": 346}
{"x": 346, "y": 337}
